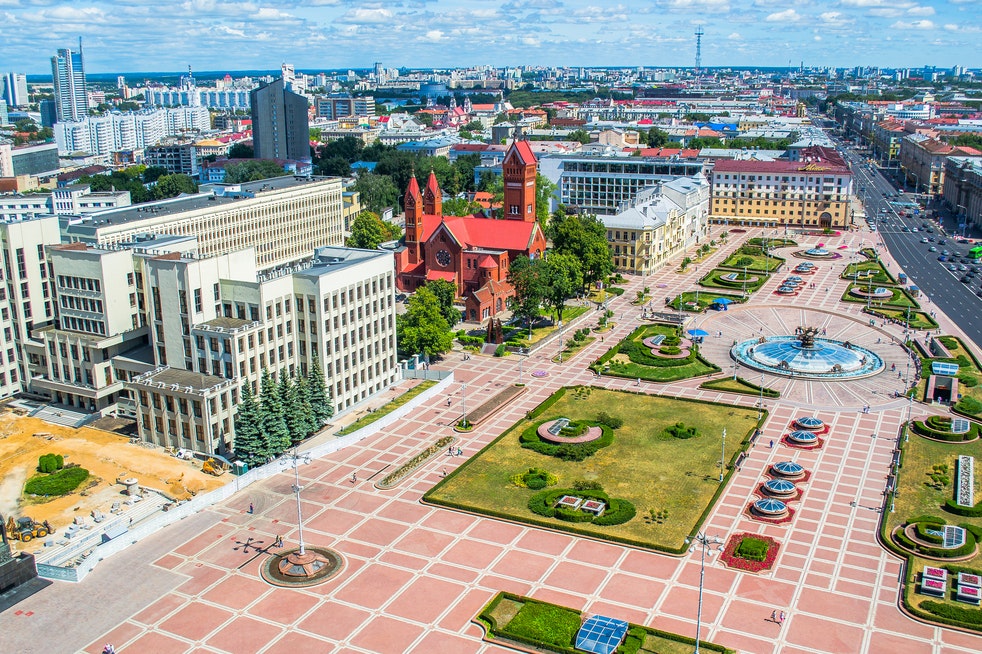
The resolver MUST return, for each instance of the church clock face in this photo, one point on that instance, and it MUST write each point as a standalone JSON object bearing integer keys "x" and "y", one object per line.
{"x": 443, "y": 258}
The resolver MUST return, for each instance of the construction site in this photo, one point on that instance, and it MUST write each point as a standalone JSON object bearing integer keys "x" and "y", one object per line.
{"x": 128, "y": 481}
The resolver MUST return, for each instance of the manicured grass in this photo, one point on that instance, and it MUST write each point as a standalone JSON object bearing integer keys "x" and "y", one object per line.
{"x": 779, "y": 242}
{"x": 899, "y": 297}
{"x": 757, "y": 261}
{"x": 864, "y": 269}
{"x": 703, "y": 298}
{"x": 386, "y": 408}
{"x": 642, "y": 465}
{"x": 969, "y": 377}
{"x": 917, "y": 319}
{"x": 715, "y": 279}
{"x": 739, "y": 385}
{"x": 917, "y": 497}
{"x": 631, "y": 359}
{"x": 549, "y": 627}
{"x": 58, "y": 483}
{"x": 572, "y": 347}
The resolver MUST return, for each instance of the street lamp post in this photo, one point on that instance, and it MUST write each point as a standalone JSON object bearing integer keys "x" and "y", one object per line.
{"x": 463, "y": 401}
{"x": 560, "y": 341}
{"x": 760, "y": 407}
{"x": 296, "y": 459}
{"x": 722, "y": 457}
{"x": 521, "y": 360}
{"x": 713, "y": 544}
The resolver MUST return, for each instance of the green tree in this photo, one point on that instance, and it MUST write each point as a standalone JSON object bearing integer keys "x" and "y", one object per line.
{"x": 657, "y": 138}
{"x": 580, "y": 135}
{"x": 460, "y": 207}
{"x": 348, "y": 148}
{"x": 544, "y": 191}
{"x": 241, "y": 151}
{"x": 465, "y": 166}
{"x": 495, "y": 185}
{"x": 169, "y": 186}
{"x": 474, "y": 126}
{"x": 585, "y": 238}
{"x": 367, "y": 231}
{"x": 321, "y": 404}
{"x": 250, "y": 444}
{"x": 377, "y": 191}
{"x": 252, "y": 171}
{"x": 446, "y": 292}
{"x": 527, "y": 277}
{"x": 272, "y": 419}
{"x": 153, "y": 173}
{"x": 422, "y": 328}
{"x": 334, "y": 167}
{"x": 564, "y": 277}
{"x": 296, "y": 408}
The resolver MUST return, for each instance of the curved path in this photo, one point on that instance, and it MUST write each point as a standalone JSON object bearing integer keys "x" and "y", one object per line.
{"x": 415, "y": 575}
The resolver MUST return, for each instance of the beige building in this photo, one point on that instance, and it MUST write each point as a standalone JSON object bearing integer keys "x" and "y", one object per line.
{"x": 659, "y": 223}
{"x": 922, "y": 161}
{"x": 800, "y": 194}
{"x": 283, "y": 219}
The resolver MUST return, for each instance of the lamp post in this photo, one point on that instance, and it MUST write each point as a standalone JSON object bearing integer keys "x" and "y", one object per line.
{"x": 560, "y": 341}
{"x": 296, "y": 459}
{"x": 713, "y": 544}
{"x": 760, "y": 407}
{"x": 463, "y": 401}
{"x": 521, "y": 353}
{"x": 722, "y": 457}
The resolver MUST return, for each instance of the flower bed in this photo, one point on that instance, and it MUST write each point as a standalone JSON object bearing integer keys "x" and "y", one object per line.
{"x": 412, "y": 464}
{"x": 478, "y": 415}
{"x": 730, "y": 558}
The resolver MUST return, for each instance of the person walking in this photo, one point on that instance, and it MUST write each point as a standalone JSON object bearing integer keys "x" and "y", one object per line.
{"x": 780, "y": 619}
{"x": 251, "y": 508}
{"x": 774, "y": 616}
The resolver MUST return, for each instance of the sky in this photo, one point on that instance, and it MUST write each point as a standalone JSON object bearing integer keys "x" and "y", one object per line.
{"x": 165, "y": 35}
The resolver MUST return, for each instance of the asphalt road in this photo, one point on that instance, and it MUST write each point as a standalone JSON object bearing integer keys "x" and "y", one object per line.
{"x": 956, "y": 299}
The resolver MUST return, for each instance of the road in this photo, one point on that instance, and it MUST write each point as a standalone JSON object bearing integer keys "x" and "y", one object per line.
{"x": 959, "y": 301}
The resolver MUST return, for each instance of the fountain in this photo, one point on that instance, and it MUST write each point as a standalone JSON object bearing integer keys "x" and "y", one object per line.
{"x": 807, "y": 356}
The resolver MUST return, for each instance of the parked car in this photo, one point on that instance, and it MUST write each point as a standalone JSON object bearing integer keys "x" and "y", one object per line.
{"x": 942, "y": 258}
{"x": 924, "y": 240}
{"x": 932, "y": 249}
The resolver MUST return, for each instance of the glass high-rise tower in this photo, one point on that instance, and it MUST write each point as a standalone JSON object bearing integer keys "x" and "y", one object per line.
{"x": 68, "y": 75}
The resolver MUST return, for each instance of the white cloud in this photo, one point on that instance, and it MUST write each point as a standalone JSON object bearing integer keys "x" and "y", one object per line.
{"x": 914, "y": 25}
{"x": 365, "y": 16}
{"x": 967, "y": 29}
{"x": 921, "y": 11}
{"x": 734, "y": 36}
{"x": 786, "y": 16}
{"x": 434, "y": 35}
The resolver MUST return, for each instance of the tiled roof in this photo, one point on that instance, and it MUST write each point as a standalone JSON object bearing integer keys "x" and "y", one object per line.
{"x": 472, "y": 232}
{"x": 749, "y": 166}
{"x": 523, "y": 150}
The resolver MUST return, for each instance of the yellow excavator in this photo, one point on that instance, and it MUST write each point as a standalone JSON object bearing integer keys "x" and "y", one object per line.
{"x": 215, "y": 467}
{"x": 24, "y": 529}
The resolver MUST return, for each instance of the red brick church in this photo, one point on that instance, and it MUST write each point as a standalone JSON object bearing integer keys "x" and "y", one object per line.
{"x": 473, "y": 252}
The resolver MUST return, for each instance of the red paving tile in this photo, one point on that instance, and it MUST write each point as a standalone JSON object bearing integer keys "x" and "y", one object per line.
{"x": 436, "y": 642}
{"x": 283, "y": 606}
{"x": 404, "y": 512}
{"x": 631, "y": 589}
{"x": 742, "y": 643}
{"x": 201, "y": 575}
{"x": 717, "y": 578}
{"x": 472, "y": 554}
{"x": 158, "y": 644}
{"x": 293, "y": 642}
{"x": 117, "y": 637}
{"x": 465, "y": 609}
{"x": 386, "y": 635}
{"x": 590, "y": 551}
{"x": 237, "y": 592}
{"x": 334, "y": 620}
{"x": 379, "y": 532}
{"x": 544, "y": 542}
{"x": 835, "y": 606}
{"x": 495, "y": 532}
{"x": 169, "y": 561}
{"x": 424, "y": 542}
{"x": 761, "y": 589}
{"x": 333, "y": 521}
{"x": 816, "y": 633}
{"x": 244, "y": 635}
{"x": 425, "y": 599}
{"x": 523, "y": 565}
{"x": 195, "y": 621}
{"x": 400, "y": 560}
{"x": 453, "y": 522}
{"x": 373, "y": 586}
{"x": 577, "y": 578}
{"x": 204, "y": 540}
{"x": 656, "y": 566}
{"x": 163, "y": 606}
{"x": 682, "y": 602}
{"x": 497, "y": 583}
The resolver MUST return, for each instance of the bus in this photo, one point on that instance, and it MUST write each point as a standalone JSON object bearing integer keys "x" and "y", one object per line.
{"x": 976, "y": 252}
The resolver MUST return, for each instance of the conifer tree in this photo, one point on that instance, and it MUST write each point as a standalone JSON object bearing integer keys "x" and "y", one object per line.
{"x": 250, "y": 445}
{"x": 271, "y": 418}
{"x": 301, "y": 421}
{"x": 320, "y": 397}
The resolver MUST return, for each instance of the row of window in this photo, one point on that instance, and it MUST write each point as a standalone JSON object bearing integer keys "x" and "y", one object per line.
{"x": 80, "y": 283}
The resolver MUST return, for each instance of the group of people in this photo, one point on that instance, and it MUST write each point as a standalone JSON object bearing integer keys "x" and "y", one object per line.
{"x": 777, "y": 616}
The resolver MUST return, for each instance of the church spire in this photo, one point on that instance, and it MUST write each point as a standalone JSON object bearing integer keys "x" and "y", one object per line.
{"x": 432, "y": 197}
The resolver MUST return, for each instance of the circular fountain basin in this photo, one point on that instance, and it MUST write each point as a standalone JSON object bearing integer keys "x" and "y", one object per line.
{"x": 825, "y": 359}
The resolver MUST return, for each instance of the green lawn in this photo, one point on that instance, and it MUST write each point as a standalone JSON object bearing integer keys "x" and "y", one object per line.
{"x": 969, "y": 377}
{"x": 899, "y": 297}
{"x": 715, "y": 279}
{"x": 752, "y": 261}
{"x": 738, "y": 385}
{"x": 703, "y": 298}
{"x": 633, "y": 360}
{"x": 864, "y": 269}
{"x": 543, "y": 328}
{"x": 917, "y": 319}
{"x": 916, "y": 496}
{"x": 645, "y": 466}
{"x": 779, "y": 242}
{"x": 386, "y": 408}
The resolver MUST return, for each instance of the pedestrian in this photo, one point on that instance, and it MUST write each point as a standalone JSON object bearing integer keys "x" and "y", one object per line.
{"x": 781, "y": 618}
{"x": 448, "y": 401}
{"x": 443, "y": 473}
{"x": 251, "y": 508}
{"x": 450, "y": 451}
{"x": 772, "y": 443}
{"x": 354, "y": 477}
{"x": 278, "y": 542}
{"x": 774, "y": 616}
{"x": 460, "y": 452}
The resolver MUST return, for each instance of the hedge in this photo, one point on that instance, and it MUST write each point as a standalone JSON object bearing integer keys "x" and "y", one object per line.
{"x": 530, "y": 440}
{"x": 965, "y": 511}
{"x": 924, "y": 429}
{"x": 61, "y": 482}
{"x": 752, "y": 549}
{"x": 958, "y": 614}
{"x": 618, "y": 510}
{"x": 937, "y": 552}
{"x": 921, "y": 528}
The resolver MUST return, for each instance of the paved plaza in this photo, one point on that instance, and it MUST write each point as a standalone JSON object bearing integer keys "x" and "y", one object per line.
{"x": 416, "y": 575}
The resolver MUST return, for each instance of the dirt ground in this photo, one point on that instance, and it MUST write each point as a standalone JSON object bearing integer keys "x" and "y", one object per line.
{"x": 105, "y": 455}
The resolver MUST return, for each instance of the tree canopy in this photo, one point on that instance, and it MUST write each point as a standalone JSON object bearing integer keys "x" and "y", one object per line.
{"x": 422, "y": 328}
{"x": 564, "y": 277}
{"x": 445, "y": 292}
{"x": 377, "y": 192}
{"x": 527, "y": 276}
{"x": 367, "y": 231}
{"x": 169, "y": 186}
{"x": 584, "y": 238}
{"x": 252, "y": 171}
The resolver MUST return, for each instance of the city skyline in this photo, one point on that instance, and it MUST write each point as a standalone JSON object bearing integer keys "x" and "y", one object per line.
{"x": 127, "y": 36}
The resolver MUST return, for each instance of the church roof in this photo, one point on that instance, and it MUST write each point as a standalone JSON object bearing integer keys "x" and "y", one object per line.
{"x": 413, "y": 188}
{"x": 487, "y": 261}
{"x": 523, "y": 150}
{"x": 432, "y": 275}
{"x": 473, "y": 232}
{"x": 491, "y": 288}
{"x": 432, "y": 185}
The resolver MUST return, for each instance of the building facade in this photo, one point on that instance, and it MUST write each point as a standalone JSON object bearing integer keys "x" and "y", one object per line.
{"x": 179, "y": 158}
{"x": 114, "y": 131}
{"x": 805, "y": 194}
{"x": 68, "y": 76}
{"x": 280, "y": 124}
{"x": 922, "y": 161}
{"x": 283, "y": 218}
{"x": 15, "y": 89}
{"x": 962, "y": 191}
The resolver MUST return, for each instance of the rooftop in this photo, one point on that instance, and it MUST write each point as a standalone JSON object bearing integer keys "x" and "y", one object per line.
{"x": 192, "y": 382}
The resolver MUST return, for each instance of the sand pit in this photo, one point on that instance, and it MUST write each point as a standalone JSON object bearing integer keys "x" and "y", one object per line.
{"x": 105, "y": 455}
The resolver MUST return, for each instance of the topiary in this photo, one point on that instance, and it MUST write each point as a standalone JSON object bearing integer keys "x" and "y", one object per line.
{"x": 613, "y": 422}
{"x": 679, "y": 430}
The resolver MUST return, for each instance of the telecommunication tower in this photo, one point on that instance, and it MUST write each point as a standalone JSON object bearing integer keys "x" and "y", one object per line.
{"x": 699, "y": 34}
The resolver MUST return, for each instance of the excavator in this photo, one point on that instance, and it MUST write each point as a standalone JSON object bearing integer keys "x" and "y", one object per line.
{"x": 24, "y": 529}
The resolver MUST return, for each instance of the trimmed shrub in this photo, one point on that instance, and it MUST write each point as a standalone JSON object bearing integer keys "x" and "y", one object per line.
{"x": 921, "y": 529}
{"x": 530, "y": 440}
{"x": 929, "y": 519}
{"x": 61, "y": 482}
{"x": 679, "y": 430}
{"x": 670, "y": 350}
{"x": 965, "y": 511}
{"x": 752, "y": 549}
{"x": 969, "y": 405}
{"x": 618, "y": 512}
{"x": 500, "y": 350}
{"x": 613, "y": 422}
{"x": 957, "y": 613}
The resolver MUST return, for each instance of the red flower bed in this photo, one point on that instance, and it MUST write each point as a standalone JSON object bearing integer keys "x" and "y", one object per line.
{"x": 730, "y": 560}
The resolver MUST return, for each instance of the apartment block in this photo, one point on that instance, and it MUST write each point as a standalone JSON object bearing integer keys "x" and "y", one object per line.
{"x": 179, "y": 158}
{"x": 284, "y": 219}
{"x": 108, "y": 133}
{"x": 658, "y": 223}
{"x": 922, "y": 161}
{"x": 963, "y": 188}
{"x": 803, "y": 194}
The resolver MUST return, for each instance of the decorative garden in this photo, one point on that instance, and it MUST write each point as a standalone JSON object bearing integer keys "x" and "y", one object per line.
{"x": 734, "y": 280}
{"x": 868, "y": 271}
{"x": 549, "y": 627}
{"x": 654, "y": 353}
{"x": 753, "y": 259}
{"x": 950, "y": 349}
{"x": 879, "y": 296}
{"x": 554, "y": 470}
{"x": 934, "y": 520}
{"x": 699, "y": 301}
{"x": 750, "y": 552}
